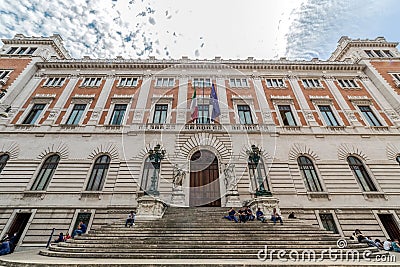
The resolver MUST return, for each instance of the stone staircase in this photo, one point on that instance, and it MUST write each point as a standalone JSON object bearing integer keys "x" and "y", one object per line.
{"x": 199, "y": 233}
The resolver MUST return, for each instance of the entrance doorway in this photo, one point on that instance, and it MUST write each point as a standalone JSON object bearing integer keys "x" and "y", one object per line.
{"x": 18, "y": 225}
{"x": 204, "y": 182}
{"x": 390, "y": 225}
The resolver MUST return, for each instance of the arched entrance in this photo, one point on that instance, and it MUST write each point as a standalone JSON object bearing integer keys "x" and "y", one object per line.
{"x": 204, "y": 182}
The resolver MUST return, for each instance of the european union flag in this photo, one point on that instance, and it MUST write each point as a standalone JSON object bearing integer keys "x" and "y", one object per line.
{"x": 214, "y": 102}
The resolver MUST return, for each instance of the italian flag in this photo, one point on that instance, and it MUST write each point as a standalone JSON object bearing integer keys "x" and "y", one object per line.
{"x": 194, "y": 109}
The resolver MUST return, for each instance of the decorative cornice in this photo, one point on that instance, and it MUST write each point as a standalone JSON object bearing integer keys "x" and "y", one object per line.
{"x": 345, "y": 43}
{"x": 54, "y": 41}
{"x": 200, "y": 64}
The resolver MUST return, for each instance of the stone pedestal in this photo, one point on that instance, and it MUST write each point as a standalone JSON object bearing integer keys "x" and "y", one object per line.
{"x": 232, "y": 199}
{"x": 178, "y": 197}
{"x": 150, "y": 208}
{"x": 267, "y": 204}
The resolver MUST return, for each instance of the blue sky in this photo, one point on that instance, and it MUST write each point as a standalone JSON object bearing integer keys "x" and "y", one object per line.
{"x": 264, "y": 29}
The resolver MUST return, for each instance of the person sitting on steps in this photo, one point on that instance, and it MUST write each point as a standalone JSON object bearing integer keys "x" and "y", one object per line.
{"x": 131, "y": 219}
{"x": 387, "y": 245}
{"x": 61, "y": 238}
{"x": 249, "y": 214}
{"x": 292, "y": 216}
{"x": 231, "y": 215}
{"x": 260, "y": 216}
{"x": 242, "y": 215}
{"x": 276, "y": 216}
{"x": 362, "y": 239}
{"x": 67, "y": 236}
{"x": 396, "y": 245}
{"x": 81, "y": 229}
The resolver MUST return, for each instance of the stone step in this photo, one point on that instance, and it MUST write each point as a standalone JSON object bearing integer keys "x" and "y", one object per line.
{"x": 181, "y": 255}
{"x": 199, "y": 223}
{"x": 188, "y": 250}
{"x": 197, "y": 233}
{"x": 154, "y": 238}
{"x": 272, "y": 229}
{"x": 147, "y": 241}
{"x": 220, "y": 246}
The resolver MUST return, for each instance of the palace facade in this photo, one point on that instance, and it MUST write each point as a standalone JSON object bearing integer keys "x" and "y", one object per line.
{"x": 84, "y": 139}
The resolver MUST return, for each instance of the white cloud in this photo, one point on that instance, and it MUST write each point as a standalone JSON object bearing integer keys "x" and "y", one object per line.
{"x": 198, "y": 29}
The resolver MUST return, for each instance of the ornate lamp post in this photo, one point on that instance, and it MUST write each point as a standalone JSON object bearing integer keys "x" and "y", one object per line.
{"x": 254, "y": 158}
{"x": 156, "y": 155}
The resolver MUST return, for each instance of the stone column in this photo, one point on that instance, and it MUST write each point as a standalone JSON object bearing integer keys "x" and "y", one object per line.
{"x": 182, "y": 101}
{"x": 262, "y": 102}
{"x": 142, "y": 100}
{"x": 62, "y": 100}
{"x": 101, "y": 102}
{"x": 223, "y": 100}
{"x": 348, "y": 112}
{"x": 308, "y": 113}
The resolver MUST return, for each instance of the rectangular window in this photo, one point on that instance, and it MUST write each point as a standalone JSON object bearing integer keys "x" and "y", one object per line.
{"x": 245, "y": 114}
{"x": 369, "y": 53}
{"x": 201, "y": 82}
{"x": 287, "y": 116}
{"x": 238, "y": 82}
{"x": 378, "y": 53}
{"x": 22, "y": 50}
{"x": 275, "y": 83}
{"x": 76, "y": 114}
{"x": 204, "y": 115}
{"x": 396, "y": 76}
{"x": 165, "y": 82}
{"x": 91, "y": 82}
{"x": 118, "y": 114}
{"x": 328, "y": 222}
{"x": 160, "y": 114}
{"x": 54, "y": 82}
{"x": 12, "y": 50}
{"x": 369, "y": 116}
{"x": 387, "y": 53}
{"x": 4, "y": 74}
{"x": 328, "y": 115}
{"x": 308, "y": 83}
{"x": 348, "y": 83}
{"x": 31, "y": 50}
{"x": 128, "y": 82}
{"x": 34, "y": 114}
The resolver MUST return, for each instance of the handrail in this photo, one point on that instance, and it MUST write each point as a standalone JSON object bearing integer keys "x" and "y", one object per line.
{"x": 50, "y": 238}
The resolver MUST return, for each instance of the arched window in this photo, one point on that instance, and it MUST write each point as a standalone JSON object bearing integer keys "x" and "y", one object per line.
{"x": 361, "y": 174}
{"x": 398, "y": 159}
{"x": 150, "y": 175}
{"x": 3, "y": 161}
{"x": 99, "y": 172}
{"x": 309, "y": 174}
{"x": 46, "y": 172}
{"x": 258, "y": 175}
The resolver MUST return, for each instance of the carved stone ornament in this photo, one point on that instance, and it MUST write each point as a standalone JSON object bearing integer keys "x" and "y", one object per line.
{"x": 266, "y": 204}
{"x": 179, "y": 176}
{"x": 150, "y": 208}
{"x": 230, "y": 178}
